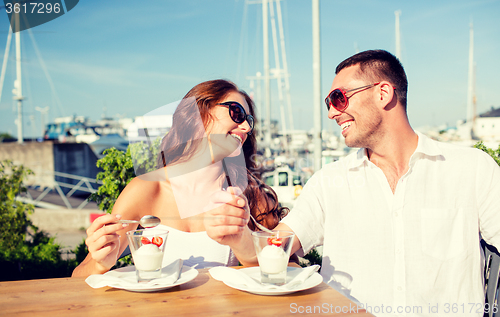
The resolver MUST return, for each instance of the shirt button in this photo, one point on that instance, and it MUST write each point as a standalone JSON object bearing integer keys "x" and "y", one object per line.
{"x": 396, "y": 214}
{"x": 400, "y": 288}
{"x": 398, "y": 250}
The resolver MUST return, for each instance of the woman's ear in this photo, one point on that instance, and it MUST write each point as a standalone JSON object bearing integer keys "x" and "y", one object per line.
{"x": 209, "y": 124}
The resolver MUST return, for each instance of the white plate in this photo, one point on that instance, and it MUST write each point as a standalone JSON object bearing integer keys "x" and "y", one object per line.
{"x": 254, "y": 272}
{"x": 187, "y": 274}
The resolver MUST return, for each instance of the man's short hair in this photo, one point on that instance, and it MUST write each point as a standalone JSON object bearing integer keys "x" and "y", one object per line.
{"x": 377, "y": 65}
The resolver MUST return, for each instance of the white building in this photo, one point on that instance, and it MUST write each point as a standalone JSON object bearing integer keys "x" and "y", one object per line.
{"x": 487, "y": 126}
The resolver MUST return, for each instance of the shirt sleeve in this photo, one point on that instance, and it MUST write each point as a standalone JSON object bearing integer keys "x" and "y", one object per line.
{"x": 488, "y": 195}
{"x": 307, "y": 217}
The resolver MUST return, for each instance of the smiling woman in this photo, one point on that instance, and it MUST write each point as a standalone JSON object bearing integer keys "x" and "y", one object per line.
{"x": 212, "y": 124}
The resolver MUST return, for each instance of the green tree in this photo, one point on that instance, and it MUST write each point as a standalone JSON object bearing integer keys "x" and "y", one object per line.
{"x": 4, "y": 136}
{"x": 25, "y": 251}
{"x": 118, "y": 171}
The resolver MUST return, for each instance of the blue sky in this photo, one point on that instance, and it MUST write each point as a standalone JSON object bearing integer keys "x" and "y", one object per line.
{"x": 134, "y": 56}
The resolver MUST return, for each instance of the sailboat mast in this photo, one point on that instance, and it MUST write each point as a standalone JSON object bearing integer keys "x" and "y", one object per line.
{"x": 278, "y": 72}
{"x": 18, "y": 92}
{"x": 285, "y": 65}
{"x": 267, "y": 85}
{"x": 470, "y": 88}
{"x": 398, "y": 35}
{"x": 316, "y": 85}
{"x": 5, "y": 59}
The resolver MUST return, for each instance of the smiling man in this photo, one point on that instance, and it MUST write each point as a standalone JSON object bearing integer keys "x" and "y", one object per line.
{"x": 399, "y": 220}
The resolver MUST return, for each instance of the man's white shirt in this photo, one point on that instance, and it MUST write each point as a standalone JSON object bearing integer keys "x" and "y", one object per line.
{"x": 412, "y": 252}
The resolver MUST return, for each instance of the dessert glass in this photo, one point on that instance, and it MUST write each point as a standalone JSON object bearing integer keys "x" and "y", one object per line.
{"x": 147, "y": 247}
{"x": 273, "y": 253}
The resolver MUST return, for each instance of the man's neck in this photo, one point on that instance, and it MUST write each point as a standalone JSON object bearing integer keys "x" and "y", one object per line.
{"x": 393, "y": 152}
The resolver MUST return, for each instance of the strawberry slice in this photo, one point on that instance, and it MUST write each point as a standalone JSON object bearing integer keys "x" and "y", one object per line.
{"x": 274, "y": 241}
{"x": 145, "y": 240}
{"x": 157, "y": 241}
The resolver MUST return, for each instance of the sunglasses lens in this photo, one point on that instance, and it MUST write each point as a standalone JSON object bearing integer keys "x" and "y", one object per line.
{"x": 250, "y": 121}
{"x": 237, "y": 113}
{"x": 337, "y": 100}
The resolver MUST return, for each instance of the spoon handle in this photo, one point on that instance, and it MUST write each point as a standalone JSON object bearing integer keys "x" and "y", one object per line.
{"x": 128, "y": 221}
{"x": 228, "y": 180}
{"x": 261, "y": 227}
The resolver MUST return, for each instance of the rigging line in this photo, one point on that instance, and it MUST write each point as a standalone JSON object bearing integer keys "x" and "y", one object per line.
{"x": 277, "y": 66}
{"x": 229, "y": 67}
{"x": 285, "y": 64}
{"x": 27, "y": 102}
{"x": 243, "y": 39}
{"x": 5, "y": 58}
{"x": 64, "y": 6}
{"x": 259, "y": 64}
{"x": 44, "y": 68}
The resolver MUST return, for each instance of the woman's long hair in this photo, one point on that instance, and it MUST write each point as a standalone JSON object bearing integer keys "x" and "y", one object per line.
{"x": 175, "y": 148}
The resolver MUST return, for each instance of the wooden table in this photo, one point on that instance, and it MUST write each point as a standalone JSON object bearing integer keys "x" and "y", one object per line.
{"x": 203, "y": 296}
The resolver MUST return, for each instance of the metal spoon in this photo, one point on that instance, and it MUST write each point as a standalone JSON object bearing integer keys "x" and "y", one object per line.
{"x": 146, "y": 221}
{"x": 228, "y": 180}
{"x": 261, "y": 227}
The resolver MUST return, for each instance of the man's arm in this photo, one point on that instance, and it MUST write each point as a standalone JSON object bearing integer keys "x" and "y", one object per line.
{"x": 227, "y": 222}
{"x": 296, "y": 243}
{"x": 488, "y": 189}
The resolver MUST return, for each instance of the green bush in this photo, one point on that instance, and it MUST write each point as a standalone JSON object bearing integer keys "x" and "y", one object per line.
{"x": 495, "y": 154}
{"x": 313, "y": 257}
{"x": 25, "y": 251}
{"x": 5, "y": 136}
{"x": 118, "y": 171}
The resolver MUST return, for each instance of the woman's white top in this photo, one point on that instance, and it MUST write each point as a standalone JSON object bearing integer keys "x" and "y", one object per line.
{"x": 196, "y": 249}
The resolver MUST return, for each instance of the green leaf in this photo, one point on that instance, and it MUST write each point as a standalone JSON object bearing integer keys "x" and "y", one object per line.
{"x": 495, "y": 154}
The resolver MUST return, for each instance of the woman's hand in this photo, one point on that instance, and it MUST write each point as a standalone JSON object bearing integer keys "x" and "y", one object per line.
{"x": 227, "y": 217}
{"x": 103, "y": 240}
{"x": 226, "y": 222}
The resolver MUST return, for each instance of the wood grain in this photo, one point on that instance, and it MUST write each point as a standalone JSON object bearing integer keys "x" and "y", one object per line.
{"x": 203, "y": 296}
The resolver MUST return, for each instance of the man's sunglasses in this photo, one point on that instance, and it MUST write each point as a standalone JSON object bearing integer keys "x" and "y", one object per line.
{"x": 238, "y": 113}
{"x": 339, "y": 100}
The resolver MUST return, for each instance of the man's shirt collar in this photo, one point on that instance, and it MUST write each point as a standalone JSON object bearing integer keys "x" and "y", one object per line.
{"x": 425, "y": 147}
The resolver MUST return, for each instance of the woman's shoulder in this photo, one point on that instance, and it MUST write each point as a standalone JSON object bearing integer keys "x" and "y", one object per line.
{"x": 143, "y": 183}
{"x": 139, "y": 194}
{"x": 154, "y": 176}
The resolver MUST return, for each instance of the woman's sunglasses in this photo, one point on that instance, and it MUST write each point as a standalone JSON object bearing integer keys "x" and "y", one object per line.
{"x": 338, "y": 99}
{"x": 238, "y": 113}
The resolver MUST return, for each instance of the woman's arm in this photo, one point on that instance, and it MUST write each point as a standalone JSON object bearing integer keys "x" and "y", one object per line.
{"x": 106, "y": 238}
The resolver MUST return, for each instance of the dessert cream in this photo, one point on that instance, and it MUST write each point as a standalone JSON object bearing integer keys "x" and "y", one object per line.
{"x": 272, "y": 259}
{"x": 148, "y": 258}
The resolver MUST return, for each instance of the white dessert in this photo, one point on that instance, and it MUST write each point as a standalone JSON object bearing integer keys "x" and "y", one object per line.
{"x": 272, "y": 259}
{"x": 148, "y": 258}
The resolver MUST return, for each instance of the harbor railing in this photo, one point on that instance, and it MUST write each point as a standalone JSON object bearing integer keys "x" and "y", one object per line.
{"x": 66, "y": 185}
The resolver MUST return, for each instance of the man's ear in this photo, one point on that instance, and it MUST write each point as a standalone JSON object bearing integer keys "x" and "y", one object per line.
{"x": 386, "y": 95}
